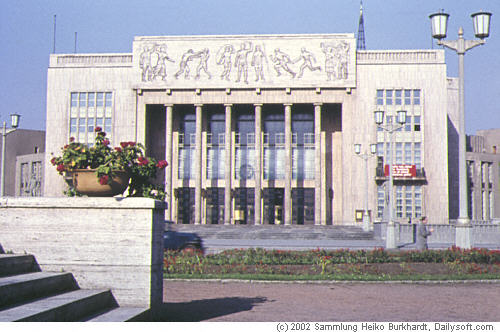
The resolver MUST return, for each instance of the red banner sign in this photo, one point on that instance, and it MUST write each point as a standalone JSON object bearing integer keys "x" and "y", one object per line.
{"x": 401, "y": 171}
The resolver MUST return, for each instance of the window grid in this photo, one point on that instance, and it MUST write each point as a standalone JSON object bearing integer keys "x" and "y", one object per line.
{"x": 88, "y": 111}
{"x": 380, "y": 200}
{"x": 408, "y": 202}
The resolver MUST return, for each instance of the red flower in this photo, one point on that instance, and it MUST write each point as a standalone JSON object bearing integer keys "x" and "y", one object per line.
{"x": 131, "y": 143}
{"x": 53, "y": 161}
{"x": 118, "y": 149}
{"x": 71, "y": 139}
{"x": 124, "y": 144}
{"x": 142, "y": 161}
{"x": 60, "y": 168}
{"x": 105, "y": 142}
{"x": 98, "y": 129}
{"x": 162, "y": 164}
{"x": 103, "y": 180}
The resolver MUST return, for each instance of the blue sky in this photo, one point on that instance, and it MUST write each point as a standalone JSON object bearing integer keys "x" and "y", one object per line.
{"x": 26, "y": 37}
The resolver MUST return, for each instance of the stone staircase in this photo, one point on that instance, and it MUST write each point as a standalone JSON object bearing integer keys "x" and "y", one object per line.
{"x": 31, "y": 295}
{"x": 281, "y": 232}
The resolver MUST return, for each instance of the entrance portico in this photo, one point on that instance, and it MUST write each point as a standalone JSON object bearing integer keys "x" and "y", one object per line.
{"x": 246, "y": 161}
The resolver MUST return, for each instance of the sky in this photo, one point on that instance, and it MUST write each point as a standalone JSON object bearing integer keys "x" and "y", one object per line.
{"x": 27, "y": 37}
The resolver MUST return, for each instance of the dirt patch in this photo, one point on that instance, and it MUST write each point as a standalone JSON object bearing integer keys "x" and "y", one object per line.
{"x": 330, "y": 302}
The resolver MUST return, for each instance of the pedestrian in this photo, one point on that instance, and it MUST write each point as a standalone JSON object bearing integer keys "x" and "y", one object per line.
{"x": 422, "y": 234}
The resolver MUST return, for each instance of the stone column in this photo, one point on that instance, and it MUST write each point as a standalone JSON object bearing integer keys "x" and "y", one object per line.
{"x": 287, "y": 200}
{"x": 486, "y": 193}
{"x": 197, "y": 162}
{"x": 168, "y": 157}
{"x": 317, "y": 165}
{"x": 228, "y": 167}
{"x": 477, "y": 213}
{"x": 258, "y": 163}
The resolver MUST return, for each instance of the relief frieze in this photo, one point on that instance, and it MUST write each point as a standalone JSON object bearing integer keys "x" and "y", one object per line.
{"x": 246, "y": 61}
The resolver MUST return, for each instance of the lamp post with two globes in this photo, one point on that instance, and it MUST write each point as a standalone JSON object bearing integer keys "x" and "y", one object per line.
{"x": 390, "y": 128}
{"x": 365, "y": 156}
{"x": 481, "y": 23}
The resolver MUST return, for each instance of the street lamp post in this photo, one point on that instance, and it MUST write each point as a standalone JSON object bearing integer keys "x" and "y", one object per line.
{"x": 365, "y": 156}
{"x": 481, "y": 22}
{"x": 390, "y": 128}
{"x": 14, "y": 118}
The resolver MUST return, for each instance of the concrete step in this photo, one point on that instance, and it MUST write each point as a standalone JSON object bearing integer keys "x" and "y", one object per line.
{"x": 281, "y": 232}
{"x": 27, "y": 287}
{"x": 68, "y": 307}
{"x": 11, "y": 264}
{"x": 120, "y": 314}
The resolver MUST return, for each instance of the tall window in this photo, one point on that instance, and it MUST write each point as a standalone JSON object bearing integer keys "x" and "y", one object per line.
{"x": 215, "y": 145}
{"x": 274, "y": 145}
{"x": 89, "y": 110}
{"x": 187, "y": 145}
{"x": 244, "y": 159}
{"x": 380, "y": 200}
{"x": 399, "y": 153}
{"x": 303, "y": 149}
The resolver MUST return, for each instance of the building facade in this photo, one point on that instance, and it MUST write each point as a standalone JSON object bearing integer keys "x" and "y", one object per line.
{"x": 260, "y": 129}
{"x": 30, "y": 174}
{"x": 19, "y": 143}
{"x": 483, "y": 162}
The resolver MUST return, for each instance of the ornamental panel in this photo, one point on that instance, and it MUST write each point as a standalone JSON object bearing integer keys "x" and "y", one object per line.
{"x": 265, "y": 61}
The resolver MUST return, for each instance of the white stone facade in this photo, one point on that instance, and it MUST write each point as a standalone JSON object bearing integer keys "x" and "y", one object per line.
{"x": 314, "y": 85}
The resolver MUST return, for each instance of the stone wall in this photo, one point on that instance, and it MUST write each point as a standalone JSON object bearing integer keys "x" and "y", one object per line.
{"x": 107, "y": 243}
{"x": 483, "y": 235}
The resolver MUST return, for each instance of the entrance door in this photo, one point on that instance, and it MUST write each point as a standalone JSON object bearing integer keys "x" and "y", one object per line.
{"x": 215, "y": 205}
{"x": 185, "y": 205}
{"x": 303, "y": 206}
{"x": 273, "y": 206}
{"x": 244, "y": 206}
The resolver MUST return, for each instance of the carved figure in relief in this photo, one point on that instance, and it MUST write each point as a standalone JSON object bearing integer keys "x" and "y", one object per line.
{"x": 224, "y": 58}
{"x": 145, "y": 63}
{"x": 203, "y": 65}
{"x": 153, "y": 62}
{"x": 281, "y": 61}
{"x": 161, "y": 58}
{"x": 330, "y": 61}
{"x": 184, "y": 65}
{"x": 343, "y": 51}
{"x": 308, "y": 59}
{"x": 241, "y": 61}
{"x": 258, "y": 59}
{"x": 336, "y": 60}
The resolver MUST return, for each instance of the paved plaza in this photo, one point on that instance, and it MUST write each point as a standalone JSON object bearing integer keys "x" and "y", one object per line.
{"x": 325, "y": 301}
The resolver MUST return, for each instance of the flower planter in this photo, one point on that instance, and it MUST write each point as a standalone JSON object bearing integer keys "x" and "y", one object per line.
{"x": 86, "y": 182}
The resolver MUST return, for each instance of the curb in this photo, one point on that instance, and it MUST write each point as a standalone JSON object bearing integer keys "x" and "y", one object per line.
{"x": 319, "y": 282}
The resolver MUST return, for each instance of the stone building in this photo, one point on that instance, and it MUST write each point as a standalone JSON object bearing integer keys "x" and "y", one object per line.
{"x": 483, "y": 161}
{"x": 19, "y": 143}
{"x": 260, "y": 129}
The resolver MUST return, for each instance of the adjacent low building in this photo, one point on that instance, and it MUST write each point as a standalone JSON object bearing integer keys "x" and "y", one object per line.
{"x": 22, "y": 171}
{"x": 260, "y": 129}
{"x": 483, "y": 161}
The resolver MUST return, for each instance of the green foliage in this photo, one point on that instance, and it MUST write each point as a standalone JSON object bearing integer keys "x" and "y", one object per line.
{"x": 330, "y": 264}
{"x": 129, "y": 157}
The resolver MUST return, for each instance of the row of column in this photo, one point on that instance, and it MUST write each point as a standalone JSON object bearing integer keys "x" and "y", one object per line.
{"x": 480, "y": 187}
{"x": 320, "y": 172}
